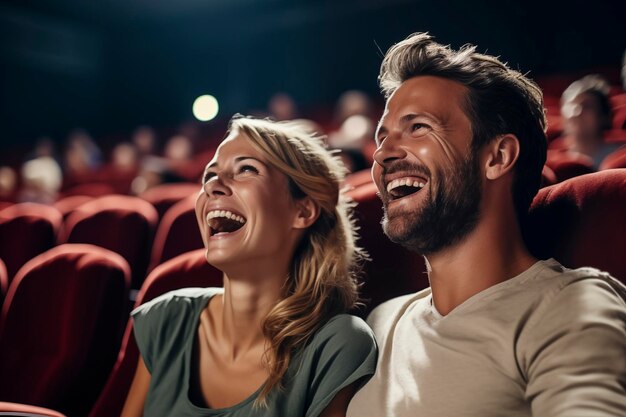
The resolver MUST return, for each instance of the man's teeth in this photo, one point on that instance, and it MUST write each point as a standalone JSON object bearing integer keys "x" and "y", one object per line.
{"x": 404, "y": 182}
{"x": 224, "y": 213}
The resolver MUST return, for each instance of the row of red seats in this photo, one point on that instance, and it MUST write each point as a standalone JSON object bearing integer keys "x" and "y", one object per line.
{"x": 63, "y": 363}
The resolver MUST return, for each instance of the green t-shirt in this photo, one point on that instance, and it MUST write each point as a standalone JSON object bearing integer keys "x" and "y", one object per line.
{"x": 340, "y": 353}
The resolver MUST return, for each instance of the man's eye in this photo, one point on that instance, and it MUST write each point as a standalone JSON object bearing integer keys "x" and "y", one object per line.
{"x": 418, "y": 126}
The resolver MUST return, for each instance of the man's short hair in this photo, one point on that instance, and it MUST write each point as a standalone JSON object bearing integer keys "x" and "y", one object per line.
{"x": 500, "y": 101}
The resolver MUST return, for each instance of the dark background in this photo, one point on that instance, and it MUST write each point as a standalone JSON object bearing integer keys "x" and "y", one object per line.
{"x": 111, "y": 65}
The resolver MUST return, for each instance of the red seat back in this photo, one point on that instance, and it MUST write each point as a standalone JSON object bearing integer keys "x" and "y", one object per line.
{"x": 566, "y": 165}
{"x": 24, "y": 410}
{"x": 177, "y": 233}
{"x": 61, "y": 326}
{"x": 188, "y": 270}
{"x": 26, "y": 230}
{"x": 67, "y": 205}
{"x": 119, "y": 223}
{"x": 393, "y": 270}
{"x": 616, "y": 159}
{"x": 164, "y": 196}
{"x": 4, "y": 281}
{"x": 581, "y": 222}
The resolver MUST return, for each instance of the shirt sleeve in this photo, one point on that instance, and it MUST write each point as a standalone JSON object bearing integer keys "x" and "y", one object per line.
{"x": 345, "y": 352}
{"x": 574, "y": 353}
{"x": 148, "y": 322}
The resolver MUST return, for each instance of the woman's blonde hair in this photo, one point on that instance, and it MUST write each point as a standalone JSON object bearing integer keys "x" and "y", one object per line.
{"x": 322, "y": 281}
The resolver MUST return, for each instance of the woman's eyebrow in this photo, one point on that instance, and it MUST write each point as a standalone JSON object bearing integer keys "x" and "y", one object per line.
{"x": 237, "y": 159}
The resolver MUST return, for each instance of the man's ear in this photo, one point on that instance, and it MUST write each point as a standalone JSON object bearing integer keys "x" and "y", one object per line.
{"x": 502, "y": 154}
{"x": 307, "y": 212}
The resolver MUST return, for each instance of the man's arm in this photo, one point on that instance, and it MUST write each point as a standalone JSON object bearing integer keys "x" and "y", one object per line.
{"x": 574, "y": 355}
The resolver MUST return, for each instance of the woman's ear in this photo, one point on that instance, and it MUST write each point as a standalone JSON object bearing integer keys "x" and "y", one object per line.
{"x": 502, "y": 154}
{"x": 307, "y": 211}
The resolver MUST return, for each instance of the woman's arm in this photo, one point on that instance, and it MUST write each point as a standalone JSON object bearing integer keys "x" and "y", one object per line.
{"x": 339, "y": 405}
{"x": 138, "y": 391}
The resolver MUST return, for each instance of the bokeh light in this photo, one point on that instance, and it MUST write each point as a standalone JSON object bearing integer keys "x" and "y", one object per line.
{"x": 205, "y": 108}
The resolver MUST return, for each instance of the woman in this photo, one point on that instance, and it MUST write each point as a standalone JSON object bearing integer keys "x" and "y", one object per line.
{"x": 274, "y": 341}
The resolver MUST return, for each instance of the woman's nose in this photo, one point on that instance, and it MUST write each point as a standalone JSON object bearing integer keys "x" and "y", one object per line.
{"x": 217, "y": 186}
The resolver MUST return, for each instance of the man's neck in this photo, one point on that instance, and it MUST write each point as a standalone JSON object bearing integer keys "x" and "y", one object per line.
{"x": 489, "y": 255}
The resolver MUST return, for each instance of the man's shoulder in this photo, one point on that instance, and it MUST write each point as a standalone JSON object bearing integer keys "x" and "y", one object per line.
{"x": 391, "y": 310}
{"x": 554, "y": 278}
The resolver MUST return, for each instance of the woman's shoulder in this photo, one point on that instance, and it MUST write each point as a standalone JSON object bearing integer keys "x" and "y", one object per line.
{"x": 180, "y": 299}
{"x": 345, "y": 331}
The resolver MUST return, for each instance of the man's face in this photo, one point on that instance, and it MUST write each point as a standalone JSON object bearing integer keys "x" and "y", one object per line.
{"x": 583, "y": 117}
{"x": 428, "y": 180}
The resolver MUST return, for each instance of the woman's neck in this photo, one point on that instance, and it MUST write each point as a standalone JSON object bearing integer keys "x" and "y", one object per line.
{"x": 239, "y": 314}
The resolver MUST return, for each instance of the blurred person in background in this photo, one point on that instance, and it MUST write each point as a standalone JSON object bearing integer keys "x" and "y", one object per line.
{"x": 281, "y": 106}
{"x": 82, "y": 155}
{"x": 8, "y": 183}
{"x": 144, "y": 139}
{"x": 124, "y": 157}
{"x": 353, "y": 103}
{"x": 587, "y": 116}
{"x": 41, "y": 181}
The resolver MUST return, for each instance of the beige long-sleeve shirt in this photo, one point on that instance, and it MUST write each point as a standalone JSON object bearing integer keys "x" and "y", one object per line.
{"x": 550, "y": 342}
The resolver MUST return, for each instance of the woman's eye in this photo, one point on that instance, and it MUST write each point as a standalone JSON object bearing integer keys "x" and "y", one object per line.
{"x": 208, "y": 176}
{"x": 248, "y": 168}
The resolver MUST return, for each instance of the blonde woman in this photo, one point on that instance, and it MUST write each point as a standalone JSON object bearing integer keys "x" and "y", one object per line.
{"x": 275, "y": 341}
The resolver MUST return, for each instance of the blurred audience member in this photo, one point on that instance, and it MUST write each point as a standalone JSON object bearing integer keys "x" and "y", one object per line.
{"x": 624, "y": 71}
{"x": 355, "y": 132}
{"x": 178, "y": 151}
{"x": 145, "y": 142}
{"x": 41, "y": 181}
{"x": 352, "y": 103}
{"x": 587, "y": 115}
{"x": 82, "y": 155}
{"x": 124, "y": 157}
{"x": 282, "y": 107}
{"x": 8, "y": 183}
{"x": 352, "y": 140}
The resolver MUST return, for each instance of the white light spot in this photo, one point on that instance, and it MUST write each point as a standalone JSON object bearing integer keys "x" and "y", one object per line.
{"x": 205, "y": 108}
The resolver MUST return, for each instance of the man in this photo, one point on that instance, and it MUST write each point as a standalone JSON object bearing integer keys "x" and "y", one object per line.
{"x": 461, "y": 145}
{"x": 587, "y": 116}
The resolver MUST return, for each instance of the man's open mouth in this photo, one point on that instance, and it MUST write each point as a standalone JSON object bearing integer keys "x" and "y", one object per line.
{"x": 223, "y": 222}
{"x": 402, "y": 187}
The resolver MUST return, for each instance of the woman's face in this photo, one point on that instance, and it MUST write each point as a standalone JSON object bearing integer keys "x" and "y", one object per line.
{"x": 244, "y": 210}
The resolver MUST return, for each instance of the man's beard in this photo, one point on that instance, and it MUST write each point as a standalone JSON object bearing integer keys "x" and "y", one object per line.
{"x": 450, "y": 213}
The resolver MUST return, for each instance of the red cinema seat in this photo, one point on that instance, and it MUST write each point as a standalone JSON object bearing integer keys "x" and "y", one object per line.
{"x": 26, "y": 230}
{"x": 616, "y": 159}
{"x": 95, "y": 189}
{"x": 177, "y": 233}
{"x": 24, "y": 410}
{"x": 4, "y": 281}
{"x": 61, "y": 326}
{"x": 119, "y": 223}
{"x": 356, "y": 179}
{"x": 566, "y": 165}
{"x": 393, "y": 270}
{"x": 581, "y": 222}
{"x": 548, "y": 177}
{"x": 188, "y": 270}
{"x": 164, "y": 196}
{"x": 68, "y": 204}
